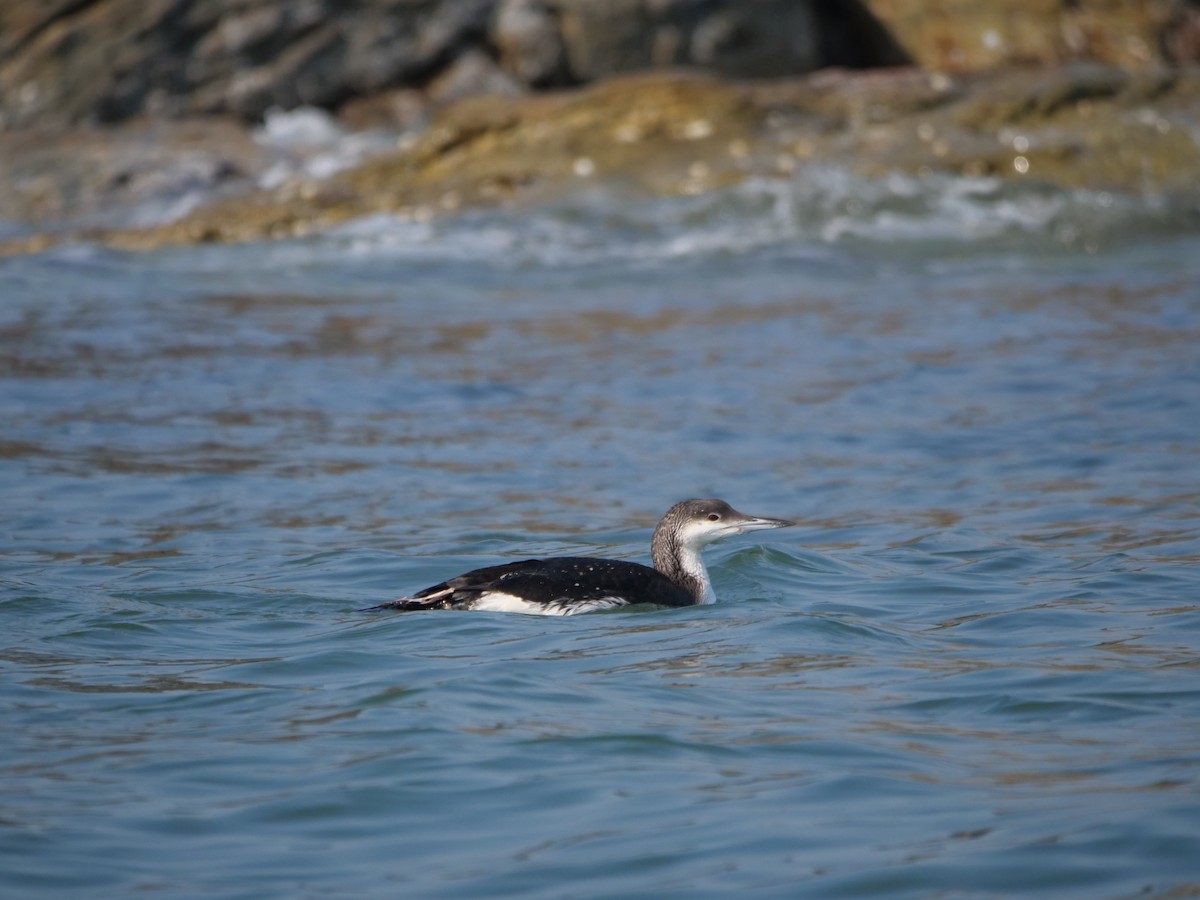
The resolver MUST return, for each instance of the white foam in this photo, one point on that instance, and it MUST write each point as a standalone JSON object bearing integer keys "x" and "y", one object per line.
{"x": 304, "y": 127}
{"x": 807, "y": 215}
{"x": 312, "y": 144}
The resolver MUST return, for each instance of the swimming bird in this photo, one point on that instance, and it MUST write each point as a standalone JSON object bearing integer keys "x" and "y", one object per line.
{"x": 567, "y": 585}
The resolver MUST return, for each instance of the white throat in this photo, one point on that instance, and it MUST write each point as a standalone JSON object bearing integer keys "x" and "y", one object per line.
{"x": 693, "y": 566}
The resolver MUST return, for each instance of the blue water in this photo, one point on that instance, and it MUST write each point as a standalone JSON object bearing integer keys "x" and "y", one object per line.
{"x": 971, "y": 671}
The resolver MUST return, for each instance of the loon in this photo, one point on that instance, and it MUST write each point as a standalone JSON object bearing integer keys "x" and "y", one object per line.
{"x": 565, "y": 586}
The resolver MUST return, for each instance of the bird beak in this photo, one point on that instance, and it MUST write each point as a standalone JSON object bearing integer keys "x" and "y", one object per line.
{"x": 754, "y": 523}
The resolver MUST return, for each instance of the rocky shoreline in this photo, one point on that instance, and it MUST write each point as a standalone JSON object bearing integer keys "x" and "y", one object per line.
{"x": 506, "y": 119}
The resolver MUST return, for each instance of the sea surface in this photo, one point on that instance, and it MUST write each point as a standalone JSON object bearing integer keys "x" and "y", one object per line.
{"x": 971, "y": 671}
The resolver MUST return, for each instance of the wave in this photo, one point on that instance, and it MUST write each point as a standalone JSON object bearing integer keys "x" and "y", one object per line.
{"x": 824, "y": 207}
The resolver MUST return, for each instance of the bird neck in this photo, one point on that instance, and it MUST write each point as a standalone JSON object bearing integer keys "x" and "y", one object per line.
{"x": 682, "y": 564}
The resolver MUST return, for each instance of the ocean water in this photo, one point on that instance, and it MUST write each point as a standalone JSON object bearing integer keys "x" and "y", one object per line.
{"x": 971, "y": 671}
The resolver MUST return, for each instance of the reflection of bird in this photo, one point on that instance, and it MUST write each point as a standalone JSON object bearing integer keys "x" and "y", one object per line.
{"x": 567, "y": 585}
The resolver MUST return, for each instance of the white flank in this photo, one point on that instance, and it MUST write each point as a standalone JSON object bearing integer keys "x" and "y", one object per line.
{"x": 498, "y": 601}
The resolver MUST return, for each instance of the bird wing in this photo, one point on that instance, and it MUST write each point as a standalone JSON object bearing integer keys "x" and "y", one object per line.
{"x": 559, "y": 584}
{"x": 537, "y": 580}
{"x": 576, "y": 580}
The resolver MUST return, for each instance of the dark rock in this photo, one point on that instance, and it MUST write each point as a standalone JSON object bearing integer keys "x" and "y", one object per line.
{"x": 102, "y": 61}
{"x": 109, "y": 60}
{"x": 851, "y": 37}
{"x": 1181, "y": 33}
{"x": 753, "y": 38}
{"x": 528, "y": 40}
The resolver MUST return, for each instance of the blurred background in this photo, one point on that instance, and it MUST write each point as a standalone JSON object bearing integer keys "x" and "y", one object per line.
{"x": 124, "y": 113}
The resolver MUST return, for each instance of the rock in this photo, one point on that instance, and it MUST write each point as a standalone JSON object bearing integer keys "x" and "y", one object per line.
{"x": 109, "y": 60}
{"x": 1181, "y": 34}
{"x": 470, "y": 74}
{"x": 671, "y": 133}
{"x": 104, "y": 61}
{"x": 141, "y": 173}
{"x": 527, "y": 38}
{"x": 966, "y": 35}
{"x": 851, "y": 37}
{"x": 403, "y": 109}
{"x": 70, "y": 62}
{"x": 753, "y": 38}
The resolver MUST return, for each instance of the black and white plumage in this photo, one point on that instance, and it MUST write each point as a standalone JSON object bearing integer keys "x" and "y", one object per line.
{"x": 564, "y": 586}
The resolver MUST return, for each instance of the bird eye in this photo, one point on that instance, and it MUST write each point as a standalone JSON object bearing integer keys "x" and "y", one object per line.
{"x": 714, "y": 517}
